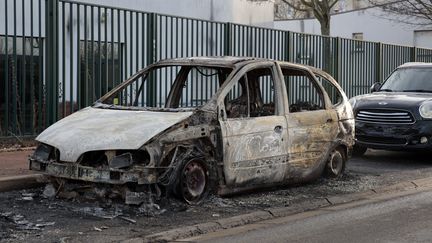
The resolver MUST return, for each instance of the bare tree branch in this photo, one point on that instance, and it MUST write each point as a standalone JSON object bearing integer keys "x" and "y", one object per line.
{"x": 407, "y": 11}
{"x": 292, "y": 5}
{"x": 307, "y": 4}
{"x": 332, "y": 4}
{"x": 321, "y": 9}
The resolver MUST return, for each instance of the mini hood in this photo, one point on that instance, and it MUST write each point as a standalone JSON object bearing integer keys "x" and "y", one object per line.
{"x": 104, "y": 129}
{"x": 402, "y": 100}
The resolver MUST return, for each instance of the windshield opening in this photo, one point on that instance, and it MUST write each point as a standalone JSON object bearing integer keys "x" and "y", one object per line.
{"x": 409, "y": 80}
{"x": 184, "y": 86}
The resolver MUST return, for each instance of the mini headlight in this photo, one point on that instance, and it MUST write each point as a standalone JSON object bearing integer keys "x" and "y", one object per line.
{"x": 352, "y": 102}
{"x": 426, "y": 110}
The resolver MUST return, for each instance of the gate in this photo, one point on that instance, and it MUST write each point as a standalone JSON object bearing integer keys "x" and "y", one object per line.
{"x": 58, "y": 56}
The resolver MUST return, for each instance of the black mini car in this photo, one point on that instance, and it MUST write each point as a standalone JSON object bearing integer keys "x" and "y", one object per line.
{"x": 397, "y": 115}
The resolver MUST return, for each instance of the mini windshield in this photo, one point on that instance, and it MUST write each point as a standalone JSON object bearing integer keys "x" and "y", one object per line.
{"x": 409, "y": 80}
{"x": 185, "y": 86}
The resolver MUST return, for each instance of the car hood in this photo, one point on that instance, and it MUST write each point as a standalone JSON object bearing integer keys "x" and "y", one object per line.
{"x": 397, "y": 100}
{"x": 94, "y": 129}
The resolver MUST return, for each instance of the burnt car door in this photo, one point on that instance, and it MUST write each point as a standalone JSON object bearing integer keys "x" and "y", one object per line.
{"x": 253, "y": 126}
{"x": 312, "y": 121}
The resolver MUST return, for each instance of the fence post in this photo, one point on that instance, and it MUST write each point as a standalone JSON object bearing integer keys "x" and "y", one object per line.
{"x": 51, "y": 61}
{"x": 413, "y": 53}
{"x": 151, "y": 57}
{"x": 337, "y": 59}
{"x": 227, "y": 39}
{"x": 287, "y": 45}
{"x": 378, "y": 62}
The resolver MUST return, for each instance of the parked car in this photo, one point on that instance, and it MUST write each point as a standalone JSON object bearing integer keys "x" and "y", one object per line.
{"x": 397, "y": 115}
{"x": 227, "y": 124}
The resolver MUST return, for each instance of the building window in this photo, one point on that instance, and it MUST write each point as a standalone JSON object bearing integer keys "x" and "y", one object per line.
{"x": 357, "y": 36}
{"x": 358, "y": 41}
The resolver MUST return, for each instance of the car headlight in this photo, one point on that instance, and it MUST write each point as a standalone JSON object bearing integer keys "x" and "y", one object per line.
{"x": 426, "y": 110}
{"x": 352, "y": 102}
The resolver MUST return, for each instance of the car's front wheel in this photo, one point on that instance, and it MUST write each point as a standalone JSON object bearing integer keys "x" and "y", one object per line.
{"x": 195, "y": 179}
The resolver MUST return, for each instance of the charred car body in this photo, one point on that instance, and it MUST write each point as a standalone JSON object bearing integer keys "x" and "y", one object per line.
{"x": 397, "y": 115}
{"x": 255, "y": 123}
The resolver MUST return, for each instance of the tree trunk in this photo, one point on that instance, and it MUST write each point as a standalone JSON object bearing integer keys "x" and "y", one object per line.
{"x": 325, "y": 28}
{"x": 325, "y": 31}
{"x": 325, "y": 23}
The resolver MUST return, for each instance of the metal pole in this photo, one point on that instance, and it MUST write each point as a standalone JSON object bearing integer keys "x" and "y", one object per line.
{"x": 337, "y": 60}
{"x": 228, "y": 39}
{"x": 413, "y": 53}
{"x": 151, "y": 55}
{"x": 378, "y": 64}
{"x": 51, "y": 61}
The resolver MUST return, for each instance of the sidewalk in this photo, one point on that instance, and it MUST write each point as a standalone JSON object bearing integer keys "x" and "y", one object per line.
{"x": 14, "y": 163}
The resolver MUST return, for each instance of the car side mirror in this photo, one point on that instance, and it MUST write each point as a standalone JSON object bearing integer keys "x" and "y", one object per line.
{"x": 375, "y": 87}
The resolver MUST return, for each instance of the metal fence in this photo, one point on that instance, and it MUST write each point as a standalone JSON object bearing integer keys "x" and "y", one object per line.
{"x": 58, "y": 56}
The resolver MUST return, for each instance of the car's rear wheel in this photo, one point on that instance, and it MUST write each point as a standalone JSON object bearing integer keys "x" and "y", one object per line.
{"x": 359, "y": 150}
{"x": 336, "y": 163}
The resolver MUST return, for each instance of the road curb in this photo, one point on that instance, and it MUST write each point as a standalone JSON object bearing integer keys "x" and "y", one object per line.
{"x": 8, "y": 150}
{"x": 21, "y": 182}
{"x": 273, "y": 213}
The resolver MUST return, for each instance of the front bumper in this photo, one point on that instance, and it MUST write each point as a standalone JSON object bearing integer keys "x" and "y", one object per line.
{"x": 394, "y": 136}
{"x": 84, "y": 173}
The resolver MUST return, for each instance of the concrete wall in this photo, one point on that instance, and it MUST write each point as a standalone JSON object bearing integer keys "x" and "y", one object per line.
{"x": 423, "y": 38}
{"x": 236, "y": 11}
{"x": 372, "y": 22}
{"x": 251, "y": 13}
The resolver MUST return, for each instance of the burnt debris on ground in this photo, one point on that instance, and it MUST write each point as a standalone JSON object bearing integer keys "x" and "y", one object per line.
{"x": 38, "y": 213}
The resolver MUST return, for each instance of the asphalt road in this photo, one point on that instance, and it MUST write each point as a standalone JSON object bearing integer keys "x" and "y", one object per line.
{"x": 82, "y": 219}
{"x": 402, "y": 219}
{"x": 380, "y": 162}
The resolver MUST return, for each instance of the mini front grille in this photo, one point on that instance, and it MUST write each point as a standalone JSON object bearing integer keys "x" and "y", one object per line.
{"x": 385, "y": 116}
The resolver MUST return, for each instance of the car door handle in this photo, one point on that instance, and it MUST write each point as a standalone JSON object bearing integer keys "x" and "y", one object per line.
{"x": 329, "y": 120}
{"x": 278, "y": 129}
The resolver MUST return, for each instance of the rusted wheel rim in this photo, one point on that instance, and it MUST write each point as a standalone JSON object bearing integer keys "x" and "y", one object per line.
{"x": 194, "y": 181}
{"x": 336, "y": 163}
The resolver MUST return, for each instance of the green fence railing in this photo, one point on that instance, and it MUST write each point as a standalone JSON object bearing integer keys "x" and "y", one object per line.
{"x": 58, "y": 56}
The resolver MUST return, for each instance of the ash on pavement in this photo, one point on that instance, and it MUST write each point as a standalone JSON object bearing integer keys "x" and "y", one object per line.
{"x": 27, "y": 216}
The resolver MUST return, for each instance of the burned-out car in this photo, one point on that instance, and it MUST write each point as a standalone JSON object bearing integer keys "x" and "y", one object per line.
{"x": 227, "y": 124}
{"x": 397, "y": 115}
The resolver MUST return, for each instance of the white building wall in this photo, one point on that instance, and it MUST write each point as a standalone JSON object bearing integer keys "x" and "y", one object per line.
{"x": 423, "y": 38}
{"x": 236, "y": 11}
{"x": 251, "y": 13}
{"x": 372, "y": 22}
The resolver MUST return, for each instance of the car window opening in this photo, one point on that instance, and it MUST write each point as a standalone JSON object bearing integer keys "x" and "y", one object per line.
{"x": 252, "y": 96}
{"x": 303, "y": 93}
{"x": 169, "y": 87}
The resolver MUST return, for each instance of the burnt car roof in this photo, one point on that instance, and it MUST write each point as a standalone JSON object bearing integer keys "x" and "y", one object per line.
{"x": 232, "y": 61}
{"x": 228, "y": 61}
